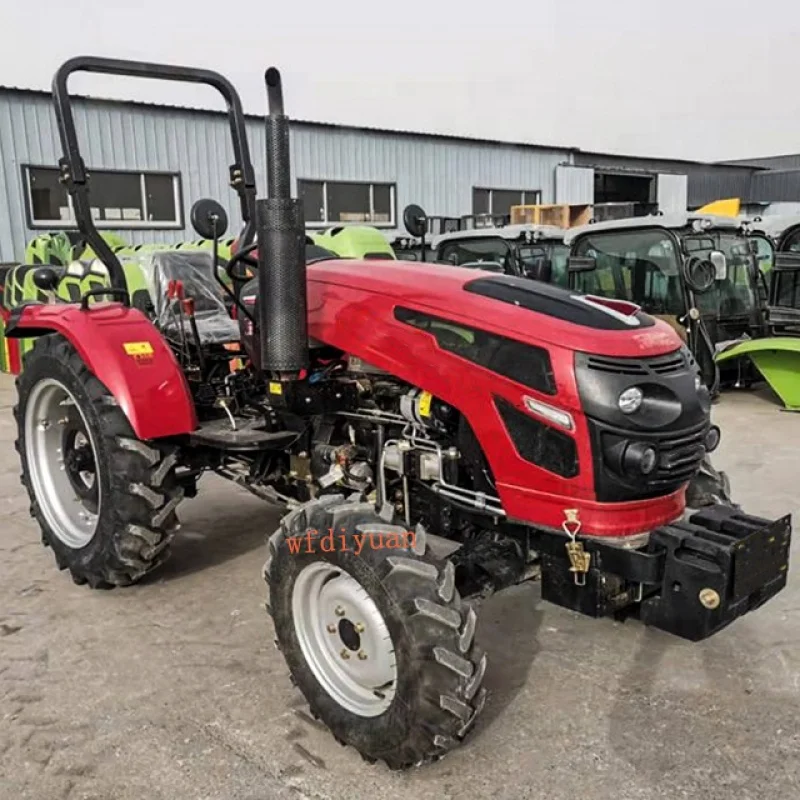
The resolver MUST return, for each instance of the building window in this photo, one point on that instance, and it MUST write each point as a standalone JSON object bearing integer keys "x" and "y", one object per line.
{"x": 334, "y": 202}
{"x": 118, "y": 199}
{"x": 499, "y": 201}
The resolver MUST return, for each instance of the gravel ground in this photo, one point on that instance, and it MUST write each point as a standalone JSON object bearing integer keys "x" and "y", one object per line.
{"x": 172, "y": 689}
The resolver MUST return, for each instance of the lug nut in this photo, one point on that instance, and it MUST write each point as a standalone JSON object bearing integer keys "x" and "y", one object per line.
{"x": 339, "y": 611}
{"x": 346, "y": 653}
{"x": 331, "y": 628}
{"x": 359, "y": 626}
{"x": 362, "y": 655}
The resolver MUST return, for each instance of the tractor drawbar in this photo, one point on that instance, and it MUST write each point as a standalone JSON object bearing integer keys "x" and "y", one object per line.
{"x": 280, "y": 224}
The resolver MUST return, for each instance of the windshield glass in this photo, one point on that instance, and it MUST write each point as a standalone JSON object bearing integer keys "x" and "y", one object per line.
{"x": 638, "y": 265}
{"x": 481, "y": 249}
{"x": 532, "y": 256}
{"x": 791, "y": 243}
{"x": 765, "y": 253}
{"x": 732, "y": 296}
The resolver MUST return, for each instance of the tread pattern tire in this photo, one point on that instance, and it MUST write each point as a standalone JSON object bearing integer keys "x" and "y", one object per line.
{"x": 440, "y": 669}
{"x": 137, "y": 518}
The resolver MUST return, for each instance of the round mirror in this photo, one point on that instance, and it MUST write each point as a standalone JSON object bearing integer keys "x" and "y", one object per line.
{"x": 699, "y": 274}
{"x": 46, "y": 279}
{"x": 415, "y": 220}
{"x": 209, "y": 219}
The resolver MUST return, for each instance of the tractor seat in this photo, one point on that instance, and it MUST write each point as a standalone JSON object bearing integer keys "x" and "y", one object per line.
{"x": 195, "y": 270}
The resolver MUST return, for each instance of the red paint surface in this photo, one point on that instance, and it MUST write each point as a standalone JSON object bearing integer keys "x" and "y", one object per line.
{"x": 351, "y": 306}
{"x": 151, "y": 391}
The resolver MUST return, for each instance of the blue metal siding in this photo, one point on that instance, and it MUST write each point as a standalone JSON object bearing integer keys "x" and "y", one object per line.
{"x": 438, "y": 174}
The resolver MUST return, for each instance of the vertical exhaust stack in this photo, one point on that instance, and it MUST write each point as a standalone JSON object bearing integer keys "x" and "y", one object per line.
{"x": 282, "y": 305}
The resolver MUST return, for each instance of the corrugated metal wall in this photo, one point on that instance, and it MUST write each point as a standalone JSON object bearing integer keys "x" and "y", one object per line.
{"x": 776, "y": 186}
{"x": 574, "y": 185}
{"x": 770, "y": 162}
{"x": 438, "y": 174}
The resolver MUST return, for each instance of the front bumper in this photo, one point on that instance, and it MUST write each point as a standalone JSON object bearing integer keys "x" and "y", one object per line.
{"x": 692, "y": 579}
{"x": 717, "y": 567}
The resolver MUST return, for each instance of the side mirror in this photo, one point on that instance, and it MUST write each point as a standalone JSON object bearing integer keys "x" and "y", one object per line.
{"x": 416, "y": 221}
{"x": 209, "y": 219}
{"x": 699, "y": 273}
{"x": 581, "y": 264}
{"x": 46, "y": 279}
{"x": 720, "y": 265}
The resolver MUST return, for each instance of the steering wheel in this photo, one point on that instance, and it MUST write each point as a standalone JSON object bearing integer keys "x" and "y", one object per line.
{"x": 243, "y": 256}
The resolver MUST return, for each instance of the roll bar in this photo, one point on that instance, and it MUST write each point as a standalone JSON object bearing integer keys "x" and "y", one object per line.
{"x": 73, "y": 169}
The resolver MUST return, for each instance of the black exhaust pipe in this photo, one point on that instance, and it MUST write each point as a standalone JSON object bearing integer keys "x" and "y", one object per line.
{"x": 282, "y": 301}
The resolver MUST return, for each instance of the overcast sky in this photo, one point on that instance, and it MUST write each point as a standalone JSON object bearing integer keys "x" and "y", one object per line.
{"x": 697, "y": 79}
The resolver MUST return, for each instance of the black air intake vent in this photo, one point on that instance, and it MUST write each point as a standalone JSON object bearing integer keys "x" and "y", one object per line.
{"x": 616, "y": 366}
{"x": 661, "y": 365}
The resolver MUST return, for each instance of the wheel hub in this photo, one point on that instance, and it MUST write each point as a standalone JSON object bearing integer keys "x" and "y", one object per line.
{"x": 344, "y": 639}
{"x": 79, "y": 464}
{"x": 348, "y": 633}
{"x": 61, "y": 460}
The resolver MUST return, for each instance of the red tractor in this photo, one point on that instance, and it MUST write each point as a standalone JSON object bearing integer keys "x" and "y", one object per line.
{"x": 538, "y": 432}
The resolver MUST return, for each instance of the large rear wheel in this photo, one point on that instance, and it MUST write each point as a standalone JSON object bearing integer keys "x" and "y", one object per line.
{"x": 104, "y": 500}
{"x": 374, "y": 632}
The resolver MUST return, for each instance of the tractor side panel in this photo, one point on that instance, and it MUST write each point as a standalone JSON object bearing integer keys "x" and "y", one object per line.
{"x": 126, "y": 353}
{"x": 362, "y": 323}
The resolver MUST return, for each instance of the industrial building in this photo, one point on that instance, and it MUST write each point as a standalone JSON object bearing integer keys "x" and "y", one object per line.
{"x": 149, "y": 163}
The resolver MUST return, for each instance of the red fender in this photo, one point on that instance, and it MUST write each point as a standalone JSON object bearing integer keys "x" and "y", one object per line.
{"x": 126, "y": 353}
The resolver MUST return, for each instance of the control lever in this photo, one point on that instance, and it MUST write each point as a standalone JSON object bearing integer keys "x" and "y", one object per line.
{"x": 188, "y": 309}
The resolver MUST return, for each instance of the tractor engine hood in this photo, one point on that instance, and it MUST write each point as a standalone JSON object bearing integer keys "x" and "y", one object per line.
{"x": 528, "y": 311}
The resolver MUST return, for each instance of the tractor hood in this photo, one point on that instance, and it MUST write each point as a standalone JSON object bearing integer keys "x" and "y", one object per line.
{"x": 525, "y": 310}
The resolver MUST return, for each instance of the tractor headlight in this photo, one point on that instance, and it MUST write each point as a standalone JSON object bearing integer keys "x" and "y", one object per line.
{"x": 630, "y": 400}
{"x": 640, "y": 457}
{"x": 712, "y": 439}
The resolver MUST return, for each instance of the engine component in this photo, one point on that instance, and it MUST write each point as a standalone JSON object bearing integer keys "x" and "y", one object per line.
{"x": 362, "y": 367}
{"x": 343, "y": 469}
{"x": 421, "y": 408}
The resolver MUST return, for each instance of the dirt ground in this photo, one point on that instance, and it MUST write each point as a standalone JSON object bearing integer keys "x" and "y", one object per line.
{"x": 173, "y": 689}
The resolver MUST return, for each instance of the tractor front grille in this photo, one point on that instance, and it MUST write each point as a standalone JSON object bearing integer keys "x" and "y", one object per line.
{"x": 679, "y": 456}
{"x": 640, "y": 367}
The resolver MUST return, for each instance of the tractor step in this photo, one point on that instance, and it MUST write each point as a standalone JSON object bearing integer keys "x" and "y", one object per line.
{"x": 248, "y": 435}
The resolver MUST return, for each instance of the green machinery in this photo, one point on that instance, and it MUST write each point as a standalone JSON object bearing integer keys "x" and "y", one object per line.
{"x": 81, "y": 270}
{"x": 776, "y": 355}
{"x": 717, "y": 280}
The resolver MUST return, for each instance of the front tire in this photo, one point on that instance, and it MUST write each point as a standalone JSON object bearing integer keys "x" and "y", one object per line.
{"x": 104, "y": 500}
{"x": 376, "y": 639}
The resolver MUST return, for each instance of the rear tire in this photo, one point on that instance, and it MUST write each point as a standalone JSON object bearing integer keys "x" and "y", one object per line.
{"x": 104, "y": 500}
{"x": 401, "y": 680}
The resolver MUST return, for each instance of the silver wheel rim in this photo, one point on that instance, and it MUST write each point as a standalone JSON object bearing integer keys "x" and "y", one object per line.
{"x": 55, "y": 430}
{"x": 344, "y": 639}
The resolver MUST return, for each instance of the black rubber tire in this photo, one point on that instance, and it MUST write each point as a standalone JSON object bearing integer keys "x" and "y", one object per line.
{"x": 139, "y": 492}
{"x": 440, "y": 670}
{"x": 708, "y": 487}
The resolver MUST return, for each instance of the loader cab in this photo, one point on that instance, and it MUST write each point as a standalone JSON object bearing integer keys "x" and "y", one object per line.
{"x": 698, "y": 273}
{"x": 528, "y": 251}
{"x": 782, "y": 279}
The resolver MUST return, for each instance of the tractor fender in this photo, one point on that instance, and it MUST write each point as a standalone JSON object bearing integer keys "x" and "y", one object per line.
{"x": 126, "y": 353}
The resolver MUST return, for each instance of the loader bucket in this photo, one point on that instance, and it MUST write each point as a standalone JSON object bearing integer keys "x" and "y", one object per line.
{"x": 778, "y": 360}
